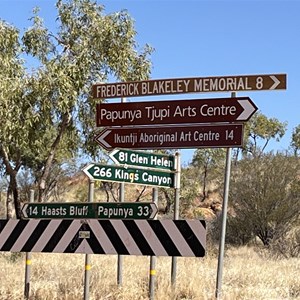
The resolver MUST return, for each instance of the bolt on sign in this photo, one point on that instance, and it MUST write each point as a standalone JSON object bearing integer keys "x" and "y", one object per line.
{"x": 190, "y": 85}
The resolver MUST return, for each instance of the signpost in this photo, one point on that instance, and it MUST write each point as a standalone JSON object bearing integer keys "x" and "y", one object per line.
{"x": 100, "y": 210}
{"x": 124, "y": 122}
{"x": 175, "y": 112}
{"x": 130, "y": 175}
{"x": 172, "y": 137}
{"x": 143, "y": 159}
{"x": 190, "y": 85}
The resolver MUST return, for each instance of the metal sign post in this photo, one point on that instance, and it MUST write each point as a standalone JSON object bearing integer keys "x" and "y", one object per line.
{"x": 87, "y": 271}
{"x": 176, "y": 211}
{"x": 224, "y": 218}
{"x": 28, "y": 260}
{"x": 153, "y": 258}
{"x": 121, "y": 199}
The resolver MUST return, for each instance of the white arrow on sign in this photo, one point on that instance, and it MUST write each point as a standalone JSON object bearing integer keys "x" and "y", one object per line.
{"x": 276, "y": 82}
{"x": 249, "y": 109}
{"x": 85, "y": 171}
{"x": 24, "y": 210}
{"x": 101, "y": 139}
{"x": 154, "y": 210}
{"x": 112, "y": 156}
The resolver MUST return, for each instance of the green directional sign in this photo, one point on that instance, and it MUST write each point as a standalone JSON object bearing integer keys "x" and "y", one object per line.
{"x": 130, "y": 175}
{"x": 143, "y": 159}
{"x": 97, "y": 210}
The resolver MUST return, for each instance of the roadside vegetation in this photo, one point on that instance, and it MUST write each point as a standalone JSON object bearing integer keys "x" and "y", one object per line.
{"x": 249, "y": 273}
{"x": 46, "y": 137}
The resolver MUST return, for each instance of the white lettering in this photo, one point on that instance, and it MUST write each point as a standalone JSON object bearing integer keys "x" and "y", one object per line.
{"x": 157, "y": 180}
{"x": 115, "y": 212}
{"x": 222, "y": 110}
{"x": 116, "y": 115}
{"x": 221, "y": 84}
{"x": 206, "y": 136}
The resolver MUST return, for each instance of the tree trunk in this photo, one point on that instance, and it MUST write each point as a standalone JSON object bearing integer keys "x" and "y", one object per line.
{"x": 205, "y": 175}
{"x": 169, "y": 201}
{"x": 12, "y": 200}
{"x": 45, "y": 174}
{"x": 10, "y": 211}
{"x": 141, "y": 194}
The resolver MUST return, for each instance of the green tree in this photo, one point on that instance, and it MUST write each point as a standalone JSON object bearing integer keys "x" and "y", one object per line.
{"x": 209, "y": 165}
{"x": 56, "y": 115}
{"x": 15, "y": 112}
{"x": 295, "y": 143}
{"x": 259, "y": 130}
{"x": 265, "y": 196}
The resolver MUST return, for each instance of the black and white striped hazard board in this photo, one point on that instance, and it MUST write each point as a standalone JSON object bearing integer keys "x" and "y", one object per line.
{"x": 126, "y": 237}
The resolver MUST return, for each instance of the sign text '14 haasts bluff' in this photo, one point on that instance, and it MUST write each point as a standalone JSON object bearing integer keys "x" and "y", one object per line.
{"x": 95, "y": 210}
{"x": 190, "y": 85}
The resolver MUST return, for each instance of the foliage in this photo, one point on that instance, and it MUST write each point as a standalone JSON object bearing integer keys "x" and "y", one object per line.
{"x": 48, "y": 111}
{"x": 14, "y": 109}
{"x": 209, "y": 166}
{"x": 288, "y": 245}
{"x": 57, "y": 187}
{"x": 295, "y": 143}
{"x": 190, "y": 187}
{"x": 265, "y": 196}
{"x": 248, "y": 275}
{"x": 261, "y": 129}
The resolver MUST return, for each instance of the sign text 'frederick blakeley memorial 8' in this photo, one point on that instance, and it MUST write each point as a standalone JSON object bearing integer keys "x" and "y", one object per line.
{"x": 190, "y": 85}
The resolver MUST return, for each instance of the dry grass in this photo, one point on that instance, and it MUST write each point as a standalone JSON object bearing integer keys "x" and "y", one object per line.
{"x": 246, "y": 275}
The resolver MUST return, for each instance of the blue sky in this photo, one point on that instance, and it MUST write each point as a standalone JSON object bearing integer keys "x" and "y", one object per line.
{"x": 209, "y": 38}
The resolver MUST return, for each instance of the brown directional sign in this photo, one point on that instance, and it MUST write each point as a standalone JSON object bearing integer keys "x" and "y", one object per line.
{"x": 190, "y": 85}
{"x": 175, "y": 112}
{"x": 171, "y": 137}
